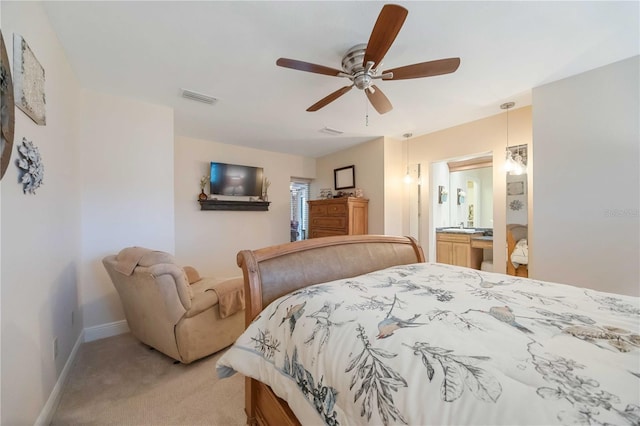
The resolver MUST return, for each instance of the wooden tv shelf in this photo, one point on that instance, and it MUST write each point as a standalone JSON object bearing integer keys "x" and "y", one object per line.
{"x": 234, "y": 205}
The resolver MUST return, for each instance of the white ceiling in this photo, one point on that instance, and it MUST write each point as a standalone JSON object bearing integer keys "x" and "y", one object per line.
{"x": 150, "y": 50}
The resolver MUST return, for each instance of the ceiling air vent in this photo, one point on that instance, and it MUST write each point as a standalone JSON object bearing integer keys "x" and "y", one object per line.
{"x": 200, "y": 97}
{"x": 330, "y": 131}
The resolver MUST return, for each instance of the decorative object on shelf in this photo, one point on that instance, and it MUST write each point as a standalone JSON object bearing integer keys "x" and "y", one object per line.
{"x": 359, "y": 193}
{"x": 203, "y": 182}
{"x": 265, "y": 188}
{"x": 326, "y": 193}
{"x": 28, "y": 81}
{"x": 344, "y": 177}
{"x": 461, "y": 195}
{"x": 443, "y": 194}
{"x": 7, "y": 110}
{"x": 30, "y": 165}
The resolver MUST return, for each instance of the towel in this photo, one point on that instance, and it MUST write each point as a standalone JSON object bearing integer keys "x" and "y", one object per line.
{"x": 520, "y": 254}
{"x": 230, "y": 296}
{"x": 128, "y": 259}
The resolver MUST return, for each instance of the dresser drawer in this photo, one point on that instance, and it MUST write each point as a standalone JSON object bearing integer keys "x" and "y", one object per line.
{"x": 329, "y": 209}
{"x": 483, "y": 244}
{"x": 318, "y": 233}
{"x": 329, "y": 222}
{"x": 337, "y": 209}
{"x": 318, "y": 210}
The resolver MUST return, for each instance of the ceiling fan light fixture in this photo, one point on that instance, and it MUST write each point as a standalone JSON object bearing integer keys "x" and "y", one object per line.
{"x": 362, "y": 63}
{"x": 199, "y": 97}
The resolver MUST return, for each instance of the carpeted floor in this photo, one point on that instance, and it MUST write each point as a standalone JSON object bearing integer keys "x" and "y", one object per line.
{"x": 120, "y": 381}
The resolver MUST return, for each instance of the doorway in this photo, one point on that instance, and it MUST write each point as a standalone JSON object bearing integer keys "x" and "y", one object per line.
{"x": 299, "y": 192}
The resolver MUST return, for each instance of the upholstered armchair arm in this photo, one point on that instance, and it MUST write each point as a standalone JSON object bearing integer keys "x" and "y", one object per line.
{"x": 201, "y": 302}
{"x": 179, "y": 280}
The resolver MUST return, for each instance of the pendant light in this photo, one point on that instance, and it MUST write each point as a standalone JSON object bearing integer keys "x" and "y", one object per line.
{"x": 407, "y": 178}
{"x": 518, "y": 167}
{"x": 509, "y": 164}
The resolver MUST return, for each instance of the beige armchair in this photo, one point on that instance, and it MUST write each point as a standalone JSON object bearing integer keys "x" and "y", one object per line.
{"x": 183, "y": 320}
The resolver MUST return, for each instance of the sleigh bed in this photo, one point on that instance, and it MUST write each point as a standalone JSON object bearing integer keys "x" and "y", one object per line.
{"x": 360, "y": 330}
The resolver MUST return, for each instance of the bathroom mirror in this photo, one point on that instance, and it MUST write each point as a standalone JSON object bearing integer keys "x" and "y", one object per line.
{"x": 517, "y": 219}
{"x": 472, "y": 182}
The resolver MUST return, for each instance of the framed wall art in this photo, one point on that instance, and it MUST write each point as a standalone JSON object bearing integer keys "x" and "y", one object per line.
{"x": 344, "y": 177}
{"x": 515, "y": 188}
{"x": 28, "y": 81}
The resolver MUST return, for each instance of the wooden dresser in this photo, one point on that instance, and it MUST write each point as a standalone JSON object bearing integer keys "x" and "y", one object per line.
{"x": 338, "y": 216}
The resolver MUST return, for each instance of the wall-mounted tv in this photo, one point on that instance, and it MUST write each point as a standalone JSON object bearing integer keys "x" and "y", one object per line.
{"x": 234, "y": 179}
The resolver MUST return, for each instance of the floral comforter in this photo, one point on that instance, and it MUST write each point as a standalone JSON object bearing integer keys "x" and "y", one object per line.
{"x": 436, "y": 344}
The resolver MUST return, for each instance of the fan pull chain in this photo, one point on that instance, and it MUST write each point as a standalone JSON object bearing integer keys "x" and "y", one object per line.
{"x": 366, "y": 108}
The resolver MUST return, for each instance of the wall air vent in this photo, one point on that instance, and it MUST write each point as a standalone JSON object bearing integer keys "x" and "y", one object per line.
{"x": 200, "y": 97}
{"x": 330, "y": 131}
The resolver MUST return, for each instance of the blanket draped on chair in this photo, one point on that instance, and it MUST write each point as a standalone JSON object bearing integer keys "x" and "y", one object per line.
{"x": 230, "y": 296}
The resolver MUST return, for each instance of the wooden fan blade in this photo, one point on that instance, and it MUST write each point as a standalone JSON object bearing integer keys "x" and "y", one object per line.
{"x": 328, "y": 99}
{"x": 306, "y": 66}
{"x": 425, "y": 69}
{"x": 379, "y": 100}
{"x": 384, "y": 32}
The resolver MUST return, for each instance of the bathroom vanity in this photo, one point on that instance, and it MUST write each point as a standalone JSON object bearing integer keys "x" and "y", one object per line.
{"x": 462, "y": 247}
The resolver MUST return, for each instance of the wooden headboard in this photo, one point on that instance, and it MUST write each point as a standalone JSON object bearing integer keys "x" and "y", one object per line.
{"x": 275, "y": 271}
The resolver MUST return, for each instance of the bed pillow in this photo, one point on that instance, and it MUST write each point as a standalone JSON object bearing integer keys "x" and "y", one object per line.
{"x": 520, "y": 254}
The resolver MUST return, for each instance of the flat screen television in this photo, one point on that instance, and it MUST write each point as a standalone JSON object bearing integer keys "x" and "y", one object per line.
{"x": 234, "y": 179}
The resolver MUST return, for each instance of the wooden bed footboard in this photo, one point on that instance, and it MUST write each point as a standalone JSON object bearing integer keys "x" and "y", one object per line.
{"x": 274, "y": 271}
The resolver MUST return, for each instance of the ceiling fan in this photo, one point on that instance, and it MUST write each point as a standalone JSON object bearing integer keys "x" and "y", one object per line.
{"x": 361, "y": 63}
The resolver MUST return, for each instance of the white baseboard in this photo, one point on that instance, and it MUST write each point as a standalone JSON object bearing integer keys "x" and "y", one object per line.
{"x": 54, "y": 397}
{"x": 87, "y": 335}
{"x": 105, "y": 330}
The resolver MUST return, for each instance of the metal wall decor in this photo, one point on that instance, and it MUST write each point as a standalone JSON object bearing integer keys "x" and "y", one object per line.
{"x": 28, "y": 81}
{"x": 30, "y": 165}
{"x": 7, "y": 109}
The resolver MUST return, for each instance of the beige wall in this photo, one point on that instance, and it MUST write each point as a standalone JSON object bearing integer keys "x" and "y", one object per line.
{"x": 40, "y": 233}
{"x": 395, "y": 190}
{"x": 586, "y": 224}
{"x": 368, "y": 159}
{"x": 210, "y": 240}
{"x": 126, "y": 168}
{"x": 480, "y": 136}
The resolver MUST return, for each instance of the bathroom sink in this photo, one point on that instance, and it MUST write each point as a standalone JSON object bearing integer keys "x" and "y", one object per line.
{"x": 460, "y": 230}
